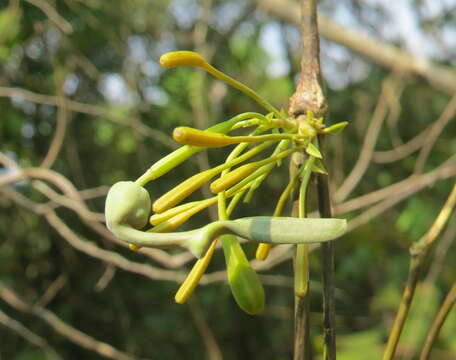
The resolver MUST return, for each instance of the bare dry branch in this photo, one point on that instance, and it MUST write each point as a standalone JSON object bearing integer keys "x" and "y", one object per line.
{"x": 88, "y": 109}
{"x": 367, "y": 149}
{"x": 440, "y": 77}
{"x": 402, "y": 151}
{"x": 23, "y": 331}
{"x": 67, "y": 202}
{"x": 213, "y": 351}
{"x": 74, "y": 335}
{"x": 51, "y": 100}
{"x": 109, "y": 257}
{"x": 431, "y": 138}
{"x": 52, "y": 290}
{"x": 440, "y": 318}
{"x": 59, "y": 135}
{"x": 158, "y": 255}
{"x": 413, "y": 182}
{"x": 53, "y": 15}
{"x": 106, "y": 278}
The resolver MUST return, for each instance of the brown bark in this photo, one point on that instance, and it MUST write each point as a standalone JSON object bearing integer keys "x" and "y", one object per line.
{"x": 309, "y": 93}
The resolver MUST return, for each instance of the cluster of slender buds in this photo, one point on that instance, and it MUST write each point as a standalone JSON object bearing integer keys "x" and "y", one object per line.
{"x": 133, "y": 218}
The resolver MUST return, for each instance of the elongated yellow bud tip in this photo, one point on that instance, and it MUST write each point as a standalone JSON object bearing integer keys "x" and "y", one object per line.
{"x": 232, "y": 177}
{"x": 156, "y": 219}
{"x": 182, "y": 58}
{"x": 262, "y": 251}
{"x": 194, "y": 137}
{"x": 180, "y": 134}
{"x": 134, "y": 247}
{"x": 190, "y": 283}
{"x": 181, "y": 191}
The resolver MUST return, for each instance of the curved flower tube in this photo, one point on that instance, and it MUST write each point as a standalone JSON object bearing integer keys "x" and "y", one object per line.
{"x": 128, "y": 204}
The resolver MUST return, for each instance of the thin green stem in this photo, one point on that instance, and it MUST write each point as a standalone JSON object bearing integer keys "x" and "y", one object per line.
{"x": 175, "y": 158}
{"x": 235, "y": 201}
{"x": 301, "y": 274}
{"x": 306, "y": 173}
{"x": 245, "y": 89}
{"x": 329, "y": 306}
{"x": 188, "y": 186}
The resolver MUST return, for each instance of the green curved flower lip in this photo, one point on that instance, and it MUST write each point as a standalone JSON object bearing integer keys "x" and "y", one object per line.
{"x": 273, "y": 230}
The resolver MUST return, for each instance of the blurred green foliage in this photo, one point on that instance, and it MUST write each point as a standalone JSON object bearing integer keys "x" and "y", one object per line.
{"x": 110, "y": 60}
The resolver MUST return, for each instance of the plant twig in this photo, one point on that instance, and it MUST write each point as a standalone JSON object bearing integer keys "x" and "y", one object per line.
{"x": 302, "y": 286}
{"x": 58, "y": 20}
{"x": 412, "y": 183}
{"x": 88, "y": 109}
{"x": 418, "y": 252}
{"x": 72, "y": 334}
{"x": 329, "y": 306}
{"x": 309, "y": 92}
{"x": 52, "y": 290}
{"x": 61, "y": 128}
{"x": 210, "y": 342}
{"x": 365, "y": 154}
{"x": 438, "y": 322}
{"x": 402, "y": 151}
{"x": 301, "y": 328}
{"x": 431, "y": 138}
{"x": 27, "y": 334}
{"x": 309, "y": 97}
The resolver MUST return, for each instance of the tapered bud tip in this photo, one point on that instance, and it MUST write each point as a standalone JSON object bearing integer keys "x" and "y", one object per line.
{"x": 182, "y": 58}
{"x": 194, "y": 137}
{"x": 336, "y": 128}
{"x": 179, "y": 134}
{"x": 134, "y": 247}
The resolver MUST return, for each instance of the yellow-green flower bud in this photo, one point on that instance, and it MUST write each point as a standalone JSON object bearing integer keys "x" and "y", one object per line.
{"x": 233, "y": 177}
{"x": 156, "y": 219}
{"x": 244, "y": 282}
{"x": 190, "y": 136}
{"x": 190, "y": 283}
{"x": 182, "y": 58}
{"x": 182, "y": 190}
{"x": 262, "y": 251}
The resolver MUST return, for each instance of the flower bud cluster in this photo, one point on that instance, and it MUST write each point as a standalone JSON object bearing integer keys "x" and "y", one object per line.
{"x": 273, "y": 136}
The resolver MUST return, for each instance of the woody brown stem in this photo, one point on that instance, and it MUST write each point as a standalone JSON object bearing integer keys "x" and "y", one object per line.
{"x": 309, "y": 94}
{"x": 309, "y": 97}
